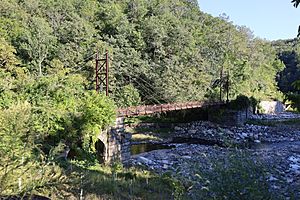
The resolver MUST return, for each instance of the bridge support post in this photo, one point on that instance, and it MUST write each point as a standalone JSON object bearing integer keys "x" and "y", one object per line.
{"x": 116, "y": 142}
{"x": 102, "y": 71}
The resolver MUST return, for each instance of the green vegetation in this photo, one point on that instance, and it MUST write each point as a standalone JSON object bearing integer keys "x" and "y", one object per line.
{"x": 161, "y": 51}
{"x": 115, "y": 182}
{"x": 288, "y": 80}
{"x": 144, "y": 137}
{"x": 240, "y": 103}
{"x": 149, "y": 133}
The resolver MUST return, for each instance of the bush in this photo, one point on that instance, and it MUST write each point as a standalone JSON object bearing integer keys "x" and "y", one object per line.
{"x": 295, "y": 101}
{"x": 98, "y": 112}
{"x": 23, "y": 167}
{"x": 240, "y": 103}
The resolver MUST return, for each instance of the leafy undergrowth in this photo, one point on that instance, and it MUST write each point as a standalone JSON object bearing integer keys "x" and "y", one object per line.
{"x": 89, "y": 180}
{"x": 95, "y": 181}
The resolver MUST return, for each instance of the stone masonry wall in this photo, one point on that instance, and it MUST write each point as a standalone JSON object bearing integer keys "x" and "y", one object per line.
{"x": 116, "y": 142}
{"x": 229, "y": 117}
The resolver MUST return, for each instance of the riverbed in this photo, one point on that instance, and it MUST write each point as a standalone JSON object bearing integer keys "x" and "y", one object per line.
{"x": 275, "y": 147}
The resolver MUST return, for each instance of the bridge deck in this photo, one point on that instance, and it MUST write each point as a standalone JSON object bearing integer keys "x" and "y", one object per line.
{"x": 151, "y": 109}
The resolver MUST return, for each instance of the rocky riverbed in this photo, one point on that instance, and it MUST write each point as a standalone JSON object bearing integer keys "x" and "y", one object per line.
{"x": 275, "y": 147}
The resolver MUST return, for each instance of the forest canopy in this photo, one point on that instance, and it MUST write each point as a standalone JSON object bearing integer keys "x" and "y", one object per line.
{"x": 166, "y": 51}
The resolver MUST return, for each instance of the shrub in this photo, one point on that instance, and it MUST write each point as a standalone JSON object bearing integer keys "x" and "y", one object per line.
{"x": 23, "y": 168}
{"x": 240, "y": 103}
{"x": 295, "y": 101}
{"x": 98, "y": 112}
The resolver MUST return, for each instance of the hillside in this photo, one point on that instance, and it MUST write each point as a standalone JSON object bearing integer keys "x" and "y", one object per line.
{"x": 166, "y": 50}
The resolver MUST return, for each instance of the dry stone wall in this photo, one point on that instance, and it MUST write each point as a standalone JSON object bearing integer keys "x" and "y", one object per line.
{"x": 116, "y": 143}
{"x": 229, "y": 117}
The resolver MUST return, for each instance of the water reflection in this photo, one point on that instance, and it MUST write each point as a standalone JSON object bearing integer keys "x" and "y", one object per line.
{"x": 141, "y": 148}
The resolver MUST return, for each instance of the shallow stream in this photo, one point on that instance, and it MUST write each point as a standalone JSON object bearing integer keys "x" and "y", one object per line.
{"x": 146, "y": 147}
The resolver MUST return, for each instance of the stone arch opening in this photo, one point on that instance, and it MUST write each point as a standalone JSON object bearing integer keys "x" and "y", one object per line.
{"x": 101, "y": 149}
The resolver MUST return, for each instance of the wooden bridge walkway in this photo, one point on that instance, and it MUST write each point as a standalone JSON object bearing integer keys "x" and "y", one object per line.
{"x": 151, "y": 109}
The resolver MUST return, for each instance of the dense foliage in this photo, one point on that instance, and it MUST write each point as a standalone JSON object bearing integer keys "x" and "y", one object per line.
{"x": 288, "y": 80}
{"x": 167, "y": 50}
{"x": 162, "y": 51}
{"x": 39, "y": 116}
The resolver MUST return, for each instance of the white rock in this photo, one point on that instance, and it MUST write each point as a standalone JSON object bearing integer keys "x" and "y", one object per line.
{"x": 187, "y": 157}
{"x": 145, "y": 160}
{"x": 165, "y": 162}
{"x": 244, "y": 135}
{"x": 176, "y": 128}
{"x": 289, "y": 180}
{"x": 294, "y": 159}
{"x": 272, "y": 178}
{"x": 295, "y": 168}
{"x": 192, "y": 131}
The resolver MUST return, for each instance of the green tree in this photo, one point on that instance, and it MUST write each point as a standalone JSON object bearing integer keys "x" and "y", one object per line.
{"x": 39, "y": 42}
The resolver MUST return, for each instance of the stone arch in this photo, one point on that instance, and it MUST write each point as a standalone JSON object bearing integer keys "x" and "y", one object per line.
{"x": 101, "y": 151}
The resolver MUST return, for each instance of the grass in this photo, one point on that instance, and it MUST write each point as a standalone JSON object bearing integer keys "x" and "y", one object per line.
{"x": 144, "y": 137}
{"x": 149, "y": 133}
{"x": 89, "y": 180}
{"x": 95, "y": 181}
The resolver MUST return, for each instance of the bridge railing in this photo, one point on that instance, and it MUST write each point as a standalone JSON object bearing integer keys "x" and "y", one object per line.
{"x": 151, "y": 109}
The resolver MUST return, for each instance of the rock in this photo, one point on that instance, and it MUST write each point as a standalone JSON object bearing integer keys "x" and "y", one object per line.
{"x": 243, "y": 135}
{"x": 186, "y": 157}
{"x": 192, "y": 131}
{"x": 165, "y": 162}
{"x": 176, "y": 128}
{"x": 289, "y": 180}
{"x": 295, "y": 168}
{"x": 272, "y": 178}
{"x": 145, "y": 160}
{"x": 280, "y": 152}
{"x": 165, "y": 166}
